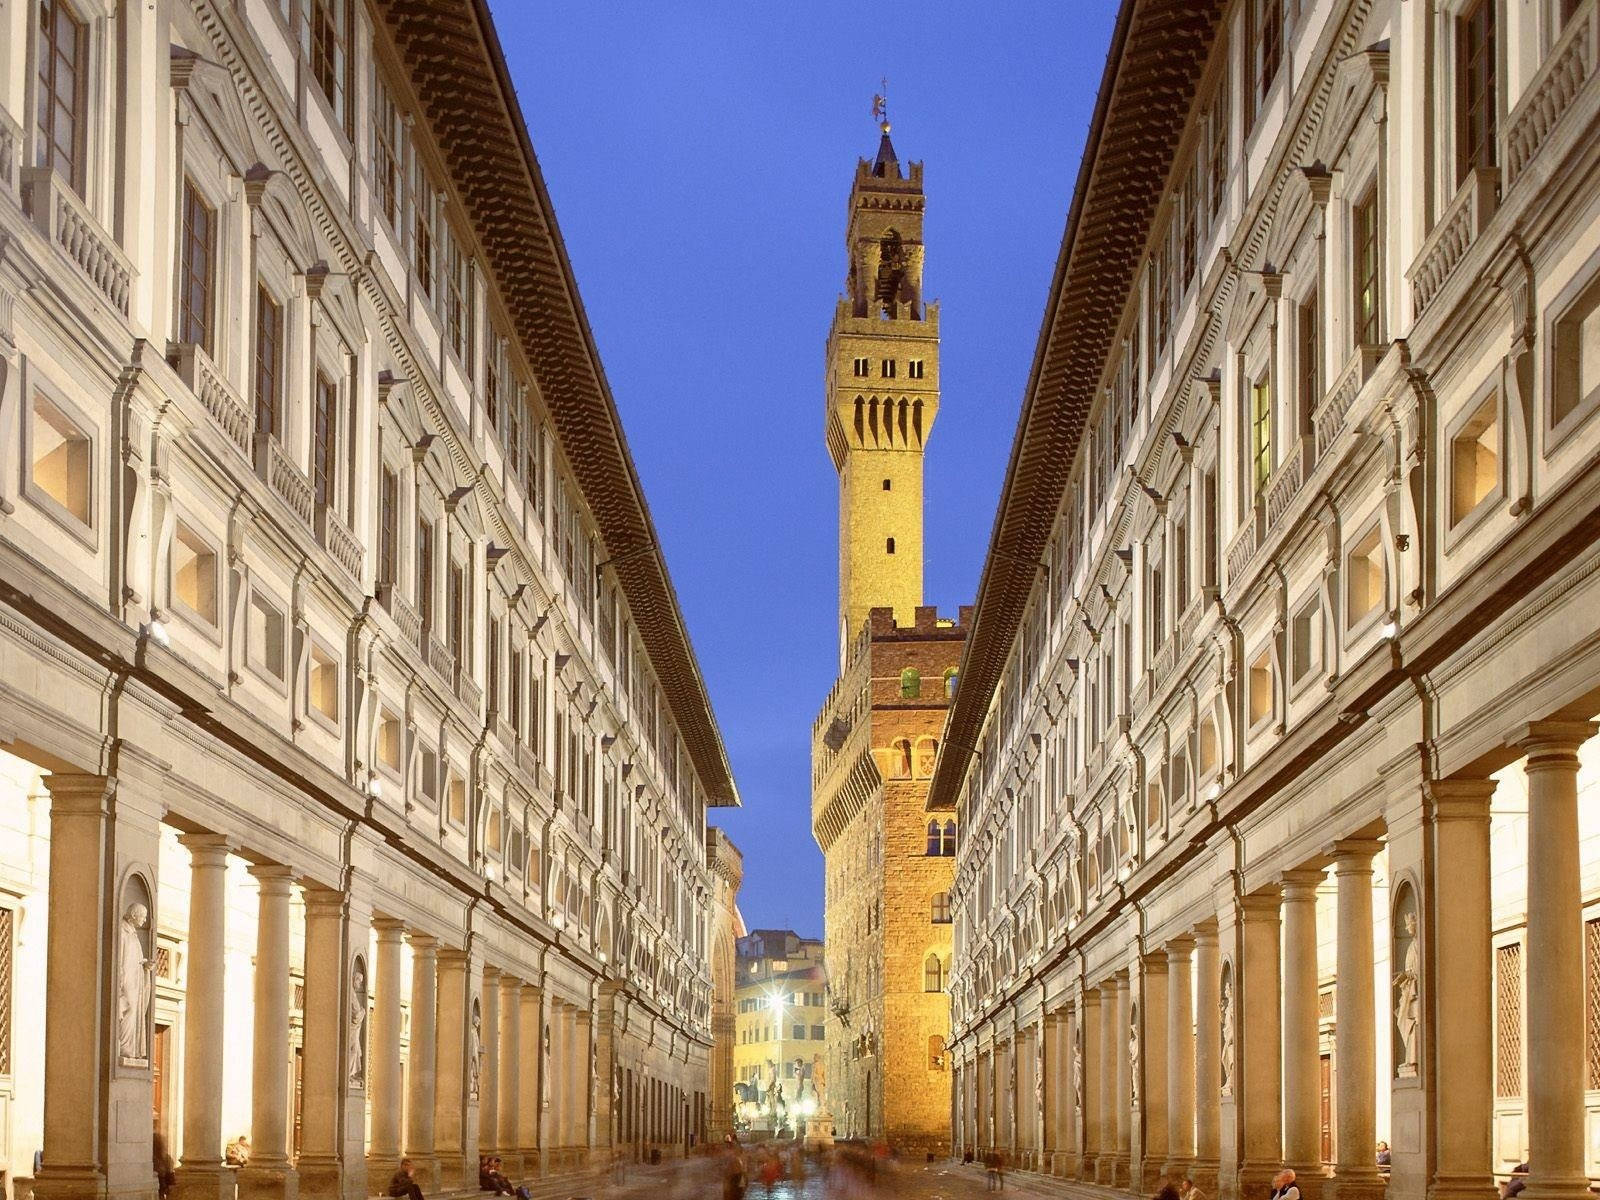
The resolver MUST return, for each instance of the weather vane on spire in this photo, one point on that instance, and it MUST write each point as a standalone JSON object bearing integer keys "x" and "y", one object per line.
{"x": 880, "y": 106}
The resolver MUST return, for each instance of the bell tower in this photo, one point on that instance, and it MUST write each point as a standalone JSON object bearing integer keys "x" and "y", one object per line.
{"x": 882, "y": 394}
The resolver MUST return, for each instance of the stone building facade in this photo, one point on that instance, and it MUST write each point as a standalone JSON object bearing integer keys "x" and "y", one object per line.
{"x": 1274, "y": 753}
{"x": 727, "y": 927}
{"x": 354, "y": 760}
{"x": 887, "y": 859}
{"x": 780, "y": 1027}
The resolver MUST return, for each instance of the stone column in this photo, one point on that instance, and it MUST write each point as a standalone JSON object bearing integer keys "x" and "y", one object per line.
{"x": 1555, "y": 1001}
{"x": 104, "y": 849}
{"x": 421, "y": 1147}
{"x": 1152, "y": 1068}
{"x": 1181, "y": 1038}
{"x": 1355, "y": 1031}
{"x": 451, "y": 1099}
{"x": 1302, "y": 1100}
{"x": 1105, "y": 1169}
{"x": 1089, "y": 1082}
{"x": 582, "y": 1090}
{"x": 1457, "y": 993}
{"x": 383, "y": 1068}
{"x": 337, "y": 1056}
{"x": 1124, "y": 1085}
{"x": 489, "y": 1081}
{"x": 1070, "y": 1129}
{"x": 269, "y": 1173}
{"x": 203, "y": 1175}
{"x": 508, "y": 1113}
{"x": 1050, "y": 1113}
{"x": 1207, "y": 1057}
{"x": 1258, "y": 1092}
{"x": 530, "y": 1082}
{"x": 555, "y": 1124}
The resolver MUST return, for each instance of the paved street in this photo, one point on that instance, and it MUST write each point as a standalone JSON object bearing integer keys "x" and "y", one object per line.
{"x": 938, "y": 1181}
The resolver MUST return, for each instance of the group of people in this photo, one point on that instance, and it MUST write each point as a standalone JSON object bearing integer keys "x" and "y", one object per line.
{"x": 492, "y": 1178}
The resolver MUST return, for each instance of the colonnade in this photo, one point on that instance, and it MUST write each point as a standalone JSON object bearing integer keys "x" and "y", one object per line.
{"x": 1197, "y": 1047}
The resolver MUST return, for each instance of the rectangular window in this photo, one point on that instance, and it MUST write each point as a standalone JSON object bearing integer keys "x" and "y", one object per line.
{"x": 388, "y": 526}
{"x": 1266, "y": 48}
{"x": 389, "y": 740}
{"x": 1508, "y": 1021}
{"x": 491, "y": 676}
{"x": 264, "y": 637}
{"x": 269, "y": 361}
{"x": 194, "y": 573}
{"x": 1476, "y": 121}
{"x": 458, "y": 801}
{"x": 325, "y": 441}
{"x": 60, "y": 455}
{"x": 1261, "y": 431}
{"x": 455, "y": 587}
{"x": 425, "y": 585}
{"x": 888, "y": 368}
{"x": 1308, "y": 355}
{"x": 1305, "y": 641}
{"x": 197, "y": 270}
{"x": 322, "y": 691}
{"x": 862, "y": 367}
{"x": 422, "y": 206}
{"x": 514, "y": 696}
{"x": 458, "y": 314}
{"x": 1364, "y": 268}
{"x": 1575, "y": 352}
{"x": 1180, "y": 563}
{"x": 324, "y": 30}
{"x": 60, "y": 102}
{"x": 1475, "y": 459}
{"x": 388, "y": 151}
{"x": 914, "y": 368}
{"x": 1363, "y": 578}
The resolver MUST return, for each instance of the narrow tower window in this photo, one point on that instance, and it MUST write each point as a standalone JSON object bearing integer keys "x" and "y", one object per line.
{"x": 886, "y": 485}
{"x": 891, "y": 546}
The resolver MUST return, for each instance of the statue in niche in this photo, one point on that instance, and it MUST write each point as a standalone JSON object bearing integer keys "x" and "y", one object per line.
{"x": 1407, "y": 986}
{"x": 356, "y": 1051}
{"x": 1133, "y": 1055}
{"x": 475, "y": 1051}
{"x": 1227, "y": 1033}
{"x": 134, "y": 984}
{"x": 544, "y": 1071}
{"x": 1077, "y": 1068}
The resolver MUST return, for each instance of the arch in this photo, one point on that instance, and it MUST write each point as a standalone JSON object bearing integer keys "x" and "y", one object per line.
{"x": 951, "y": 678}
{"x": 932, "y": 973}
{"x": 135, "y": 985}
{"x": 933, "y": 839}
{"x": 910, "y": 678}
{"x": 927, "y": 756}
{"x": 947, "y": 841}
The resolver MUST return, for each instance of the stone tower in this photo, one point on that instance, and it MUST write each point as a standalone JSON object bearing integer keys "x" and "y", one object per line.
{"x": 882, "y": 394}
{"x": 888, "y": 857}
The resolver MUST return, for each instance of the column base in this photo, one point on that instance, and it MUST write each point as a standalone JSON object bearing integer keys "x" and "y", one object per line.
{"x": 1105, "y": 1169}
{"x": 1367, "y": 1185}
{"x": 67, "y": 1183}
{"x": 1122, "y": 1172}
{"x": 425, "y": 1170}
{"x": 269, "y": 1181}
{"x": 1178, "y": 1168}
{"x": 1556, "y": 1189}
{"x": 1458, "y": 1187}
{"x": 1255, "y": 1179}
{"x": 1312, "y": 1182}
{"x": 203, "y": 1182}
{"x": 380, "y": 1169}
{"x": 453, "y": 1173}
{"x": 1205, "y": 1173}
{"x": 510, "y": 1163}
{"x": 324, "y": 1178}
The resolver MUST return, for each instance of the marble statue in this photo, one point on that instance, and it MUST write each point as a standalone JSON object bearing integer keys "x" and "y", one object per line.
{"x": 356, "y": 1052}
{"x": 1407, "y": 982}
{"x": 134, "y": 985}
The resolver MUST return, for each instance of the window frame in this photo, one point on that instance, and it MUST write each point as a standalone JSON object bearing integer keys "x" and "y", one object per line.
{"x": 212, "y": 628}
{"x": 1355, "y": 625}
{"x": 317, "y": 646}
{"x": 35, "y": 387}
{"x": 254, "y": 659}
{"x": 1366, "y": 266}
{"x": 1477, "y": 109}
{"x": 187, "y": 321}
{"x": 1563, "y": 319}
{"x": 42, "y": 129}
{"x": 1458, "y": 527}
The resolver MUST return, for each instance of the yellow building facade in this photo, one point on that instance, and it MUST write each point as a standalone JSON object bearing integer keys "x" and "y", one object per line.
{"x": 779, "y": 1028}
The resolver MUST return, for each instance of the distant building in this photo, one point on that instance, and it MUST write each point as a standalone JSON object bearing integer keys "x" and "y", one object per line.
{"x": 779, "y": 1027}
{"x": 889, "y": 863}
{"x": 727, "y": 928}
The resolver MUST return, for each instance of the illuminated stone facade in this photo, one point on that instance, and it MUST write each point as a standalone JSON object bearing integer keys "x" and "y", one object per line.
{"x": 1274, "y": 751}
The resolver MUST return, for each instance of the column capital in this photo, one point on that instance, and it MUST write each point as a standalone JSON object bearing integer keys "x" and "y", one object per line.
{"x": 584, "y": 1016}
{"x": 273, "y": 878}
{"x": 1180, "y": 946}
{"x": 1551, "y": 739}
{"x": 1205, "y": 934}
{"x": 75, "y": 794}
{"x": 206, "y": 849}
{"x": 453, "y": 956}
{"x": 1262, "y": 904}
{"x": 491, "y": 975}
{"x": 1458, "y": 799}
{"x": 423, "y": 943}
{"x": 1301, "y": 884}
{"x": 1353, "y": 856}
{"x": 389, "y": 929}
{"x": 1154, "y": 962}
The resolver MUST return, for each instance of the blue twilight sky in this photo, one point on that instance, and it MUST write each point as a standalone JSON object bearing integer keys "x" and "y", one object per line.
{"x": 700, "y": 155}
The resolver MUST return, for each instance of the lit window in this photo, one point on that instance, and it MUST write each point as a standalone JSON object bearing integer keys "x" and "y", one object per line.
{"x": 428, "y": 768}
{"x": 194, "y": 573}
{"x": 941, "y": 908}
{"x": 1363, "y": 578}
{"x": 458, "y": 801}
{"x": 1261, "y": 430}
{"x": 1576, "y": 354}
{"x": 1364, "y": 277}
{"x": 322, "y": 692}
{"x": 1475, "y": 459}
{"x": 910, "y": 683}
{"x": 60, "y": 454}
{"x": 389, "y": 741}
{"x": 1260, "y": 698}
{"x": 1305, "y": 641}
{"x": 264, "y": 637}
